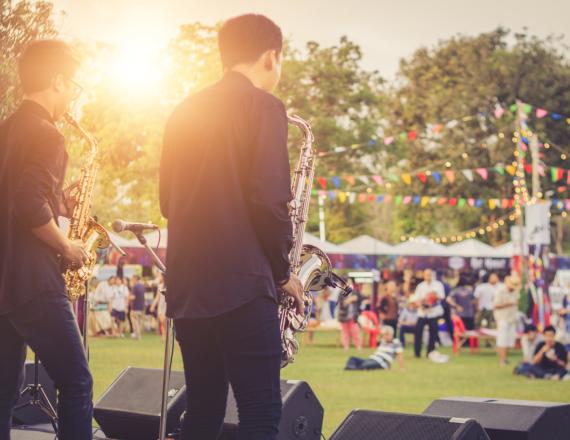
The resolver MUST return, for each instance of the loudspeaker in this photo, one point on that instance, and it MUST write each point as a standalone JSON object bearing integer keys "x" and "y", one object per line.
{"x": 130, "y": 408}
{"x": 32, "y": 415}
{"x": 509, "y": 419}
{"x": 302, "y": 416}
{"x": 378, "y": 425}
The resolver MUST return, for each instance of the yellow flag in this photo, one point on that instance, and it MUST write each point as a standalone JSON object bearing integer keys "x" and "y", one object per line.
{"x": 342, "y": 197}
{"x": 511, "y": 170}
{"x": 425, "y": 201}
{"x": 492, "y": 204}
{"x": 407, "y": 178}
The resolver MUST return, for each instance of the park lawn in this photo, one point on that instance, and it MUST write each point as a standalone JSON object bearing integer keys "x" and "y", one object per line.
{"x": 321, "y": 365}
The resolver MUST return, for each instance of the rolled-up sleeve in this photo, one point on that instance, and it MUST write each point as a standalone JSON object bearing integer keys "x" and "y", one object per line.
{"x": 270, "y": 185}
{"x": 39, "y": 182}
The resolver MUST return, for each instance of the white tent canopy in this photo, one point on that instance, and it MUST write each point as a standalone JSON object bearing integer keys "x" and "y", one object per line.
{"x": 367, "y": 245}
{"x": 421, "y": 246}
{"x": 505, "y": 250}
{"x": 326, "y": 246}
{"x": 471, "y": 248}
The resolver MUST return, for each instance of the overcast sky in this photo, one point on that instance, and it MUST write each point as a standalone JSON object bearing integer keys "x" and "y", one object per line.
{"x": 386, "y": 30}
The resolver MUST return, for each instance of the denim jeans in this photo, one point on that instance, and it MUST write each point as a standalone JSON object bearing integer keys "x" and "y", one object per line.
{"x": 47, "y": 324}
{"x": 241, "y": 348}
{"x": 432, "y": 325}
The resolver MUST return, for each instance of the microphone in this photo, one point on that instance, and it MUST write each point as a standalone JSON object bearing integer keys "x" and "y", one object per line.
{"x": 120, "y": 226}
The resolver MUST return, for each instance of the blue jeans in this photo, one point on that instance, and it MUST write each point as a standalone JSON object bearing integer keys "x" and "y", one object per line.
{"x": 241, "y": 347}
{"x": 47, "y": 324}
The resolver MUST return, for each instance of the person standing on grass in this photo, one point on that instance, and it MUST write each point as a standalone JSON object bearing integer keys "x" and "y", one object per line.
{"x": 505, "y": 305}
{"x": 429, "y": 295}
{"x": 484, "y": 294}
{"x": 137, "y": 302}
{"x": 348, "y": 311}
{"x": 462, "y": 300}
{"x": 388, "y": 306}
{"x": 119, "y": 305}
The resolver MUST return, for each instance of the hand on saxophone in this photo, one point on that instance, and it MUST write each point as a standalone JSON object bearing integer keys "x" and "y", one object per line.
{"x": 75, "y": 255}
{"x": 69, "y": 199}
{"x": 294, "y": 288}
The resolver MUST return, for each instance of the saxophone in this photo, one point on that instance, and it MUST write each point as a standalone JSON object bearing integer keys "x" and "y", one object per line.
{"x": 309, "y": 263}
{"x": 82, "y": 226}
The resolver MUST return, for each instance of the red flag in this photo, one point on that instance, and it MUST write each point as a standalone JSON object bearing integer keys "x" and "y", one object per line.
{"x": 422, "y": 176}
{"x": 452, "y": 201}
{"x": 412, "y": 135}
{"x": 323, "y": 182}
{"x": 528, "y": 168}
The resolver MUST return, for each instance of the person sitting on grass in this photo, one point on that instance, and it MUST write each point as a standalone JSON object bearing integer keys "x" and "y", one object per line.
{"x": 382, "y": 359}
{"x": 408, "y": 319}
{"x": 529, "y": 342}
{"x": 549, "y": 360}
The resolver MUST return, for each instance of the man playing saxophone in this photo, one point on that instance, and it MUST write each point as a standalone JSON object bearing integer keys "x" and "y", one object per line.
{"x": 34, "y": 308}
{"x": 224, "y": 188}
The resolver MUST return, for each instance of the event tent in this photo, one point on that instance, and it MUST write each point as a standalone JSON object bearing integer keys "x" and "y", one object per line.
{"x": 471, "y": 248}
{"x": 421, "y": 246}
{"x": 366, "y": 245}
{"x": 326, "y": 246}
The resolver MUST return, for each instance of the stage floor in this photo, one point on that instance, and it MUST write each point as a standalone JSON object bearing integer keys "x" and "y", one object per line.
{"x": 44, "y": 432}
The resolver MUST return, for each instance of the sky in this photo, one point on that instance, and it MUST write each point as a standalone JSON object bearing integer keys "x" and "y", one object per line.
{"x": 386, "y": 30}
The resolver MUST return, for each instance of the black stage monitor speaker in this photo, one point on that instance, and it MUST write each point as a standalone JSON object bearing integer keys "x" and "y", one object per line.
{"x": 378, "y": 425}
{"x": 302, "y": 416}
{"x": 509, "y": 419}
{"x": 32, "y": 415}
{"x": 130, "y": 408}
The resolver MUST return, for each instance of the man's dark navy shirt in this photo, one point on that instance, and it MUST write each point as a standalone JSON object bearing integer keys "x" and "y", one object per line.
{"x": 224, "y": 187}
{"x": 32, "y": 169}
{"x": 138, "y": 293}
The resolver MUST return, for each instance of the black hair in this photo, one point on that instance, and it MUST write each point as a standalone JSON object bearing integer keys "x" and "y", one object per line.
{"x": 530, "y": 328}
{"x": 245, "y": 38}
{"x": 42, "y": 60}
{"x": 549, "y": 328}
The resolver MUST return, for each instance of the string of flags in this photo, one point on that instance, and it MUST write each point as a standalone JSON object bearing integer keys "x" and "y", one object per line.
{"x": 425, "y": 201}
{"x": 556, "y": 174}
{"x": 433, "y": 130}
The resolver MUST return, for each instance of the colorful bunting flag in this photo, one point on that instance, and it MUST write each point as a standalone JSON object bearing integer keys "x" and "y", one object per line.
{"x": 350, "y": 179}
{"x": 436, "y": 176}
{"x": 388, "y": 140}
{"x": 412, "y": 135}
{"x": 323, "y": 182}
{"x": 378, "y": 180}
{"x": 407, "y": 178}
{"x": 422, "y": 177}
{"x": 336, "y": 181}
{"x": 500, "y": 169}
{"x": 483, "y": 173}
{"x": 499, "y": 111}
{"x": 541, "y": 113}
{"x": 468, "y": 175}
{"x": 406, "y": 200}
{"x": 450, "y": 176}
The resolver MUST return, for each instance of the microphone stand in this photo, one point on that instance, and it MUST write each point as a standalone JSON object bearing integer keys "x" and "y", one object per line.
{"x": 168, "y": 349}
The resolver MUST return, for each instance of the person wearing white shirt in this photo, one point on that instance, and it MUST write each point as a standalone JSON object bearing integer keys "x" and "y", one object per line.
{"x": 484, "y": 293}
{"x": 103, "y": 323}
{"x": 429, "y": 294}
{"x": 118, "y": 305}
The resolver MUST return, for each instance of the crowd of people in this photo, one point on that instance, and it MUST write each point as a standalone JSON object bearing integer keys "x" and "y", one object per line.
{"x": 432, "y": 311}
{"x": 121, "y": 305}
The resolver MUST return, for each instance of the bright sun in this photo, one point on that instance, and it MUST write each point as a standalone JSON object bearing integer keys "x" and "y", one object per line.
{"x": 135, "y": 64}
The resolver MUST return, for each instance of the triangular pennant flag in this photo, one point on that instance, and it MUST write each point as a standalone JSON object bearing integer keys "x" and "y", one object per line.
{"x": 541, "y": 113}
{"x": 351, "y": 197}
{"x": 554, "y": 174}
{"x": 407, "y": 178}
{"x": 342, "y": 197}
{"x": 371, "y": 197}
{"x": 492, "y": 204}
{"x": 323, "y": 182}
{"x": 433, "y": 200}
{"x": 365, "y": 180}
{"x": 442, "y": 201}
{"x": 450, "y": 176}
{"x": 511, "y": 203}
{"x": 387, "y": 198}
{"x": 388, "y": 140}
{"x": 437, "y": 128}
{"x": 425, "y": 201}
{"x": 478, "y": 203}
{"x": 500, "y": 169}
{"x": 332, "y": 195}
{"x": 483, "y": 173}
{"x": 527, "y": 108}
{"x": 452, "y": 123}
{"x": 528, "y": 168}
{"x": 511, "y": 170}
{"x": 541, "y": 170}
{"x": 471, "y": 202}
{"x": 436, "y": 176}
{"x": 461, "y": 203}
{"x": 322, "y": 194}
{"x": 378, "y": 180}
{"x": 379, "y": 198}
{"x": 398, "y": 200}
{"x": 403, "y": 135}
{"x": 468, "y": 175}
{"x": 393, "y": 177}
{"x": 362, "y": 197}
{"x": 406, "y": 200}
{"x": 513, "y": 108}
{"x": 336, "y": 181}
{"x": 452, "y": 201}
{"x": 422, "y": 177}
{"x": 350, "y": 179}
{"x": 568, "y": 121}
{"x": 412, "y": 135}
{"x": 416, "y": 200}
{"x": 568, "y": 177}
{"x": 499, "y": 111}
{"x": 556, "y": 116}
{"x": 504, "y": 203}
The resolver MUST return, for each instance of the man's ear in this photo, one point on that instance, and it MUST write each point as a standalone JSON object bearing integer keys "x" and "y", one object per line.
{"x": 269, "y": 59}
{"x": 58, "y": 83}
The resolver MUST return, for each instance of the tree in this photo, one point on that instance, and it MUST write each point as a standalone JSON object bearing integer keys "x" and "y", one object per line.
{"x": 20, "y": 23}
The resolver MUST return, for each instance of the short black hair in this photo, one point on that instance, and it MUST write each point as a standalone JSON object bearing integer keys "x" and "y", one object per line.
{"x": 243, "y": 39}
{"x": 549, "y": 328}
{"x": 42, "y": 60}
{"x": 530, "y": 328}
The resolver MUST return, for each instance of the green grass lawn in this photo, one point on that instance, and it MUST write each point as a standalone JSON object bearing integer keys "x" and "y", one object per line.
{"x": 339, "y": 391}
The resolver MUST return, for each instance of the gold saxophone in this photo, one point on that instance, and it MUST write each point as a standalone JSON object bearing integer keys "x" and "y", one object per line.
{"x": 309, "y": 263}
{"x": 82, "y": 226}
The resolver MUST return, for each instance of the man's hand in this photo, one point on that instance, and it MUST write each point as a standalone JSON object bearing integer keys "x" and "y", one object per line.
{"x": 75, "y": 255}
{"x": 294, "y": 289}
{"x": 69, "y": 199}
